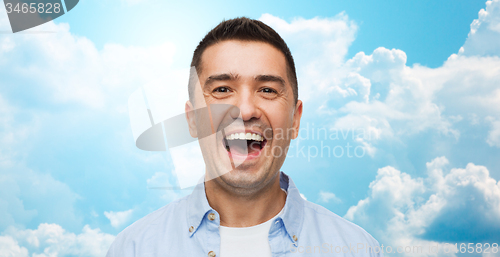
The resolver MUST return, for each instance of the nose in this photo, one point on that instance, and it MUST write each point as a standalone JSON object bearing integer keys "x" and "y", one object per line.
{"x": 247, "y": 104}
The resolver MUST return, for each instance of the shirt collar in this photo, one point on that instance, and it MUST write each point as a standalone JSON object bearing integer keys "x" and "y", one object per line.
{"x": 292, "y": 216}
{"x": 197, "y": 208}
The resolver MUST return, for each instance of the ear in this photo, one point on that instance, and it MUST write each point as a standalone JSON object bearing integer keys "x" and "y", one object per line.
{"x": 191, "y": 119}
{"x": 296, "y": 119}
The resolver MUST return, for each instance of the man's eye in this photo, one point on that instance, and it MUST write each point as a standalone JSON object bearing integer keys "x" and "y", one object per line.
{"x": 268, "y": 90}
{"x": 221, "y": 90}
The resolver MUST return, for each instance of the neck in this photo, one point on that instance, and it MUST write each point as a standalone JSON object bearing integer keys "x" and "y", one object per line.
{"x": 238, "y": 210}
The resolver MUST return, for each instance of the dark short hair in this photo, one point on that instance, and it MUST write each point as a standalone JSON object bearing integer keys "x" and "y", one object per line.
{"x": 244, "y": 29}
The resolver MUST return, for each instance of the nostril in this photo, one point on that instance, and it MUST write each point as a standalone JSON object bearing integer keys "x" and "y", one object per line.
{"x": 248, "y": 110}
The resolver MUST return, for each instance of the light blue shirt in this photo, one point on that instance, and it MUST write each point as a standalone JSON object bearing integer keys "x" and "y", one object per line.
{"x": 190, "y": 227}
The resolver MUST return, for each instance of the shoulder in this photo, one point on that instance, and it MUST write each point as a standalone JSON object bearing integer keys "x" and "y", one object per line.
{"x": 147, "y": 227}
{"x": 334, "y": 226}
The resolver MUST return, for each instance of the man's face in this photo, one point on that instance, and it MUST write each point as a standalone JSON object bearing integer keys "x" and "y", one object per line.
{"x": 251, "y": 76}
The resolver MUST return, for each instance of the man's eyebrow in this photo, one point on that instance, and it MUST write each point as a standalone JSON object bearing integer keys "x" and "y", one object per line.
{"x": 220, "y": 77}
{"x": 270, "y": 78}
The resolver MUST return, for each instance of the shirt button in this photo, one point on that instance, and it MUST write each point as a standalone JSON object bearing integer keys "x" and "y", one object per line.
{"x": 211, "y": 216}
{"x": 295, "y": 238}
{"x": 211, "y": 254}
{"x": 191, "y": 229}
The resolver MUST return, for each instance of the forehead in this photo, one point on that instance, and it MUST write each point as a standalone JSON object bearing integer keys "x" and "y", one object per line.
{"x": 245, "y": 58}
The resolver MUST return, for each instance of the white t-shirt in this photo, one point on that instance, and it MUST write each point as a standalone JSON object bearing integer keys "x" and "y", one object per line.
{"x": 249, "y": 241}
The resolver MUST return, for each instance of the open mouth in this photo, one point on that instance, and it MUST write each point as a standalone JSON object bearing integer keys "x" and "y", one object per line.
{"x": 247, "y": 144}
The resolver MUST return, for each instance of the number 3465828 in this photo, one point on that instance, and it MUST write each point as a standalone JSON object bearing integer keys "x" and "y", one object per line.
{"x": 33, "y": 8}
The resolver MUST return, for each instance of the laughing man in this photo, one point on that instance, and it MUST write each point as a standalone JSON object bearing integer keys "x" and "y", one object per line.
{"x": 246, "y": 206}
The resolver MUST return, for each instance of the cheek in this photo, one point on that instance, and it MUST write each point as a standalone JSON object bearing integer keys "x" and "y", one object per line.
{"x": 281, "y": 122}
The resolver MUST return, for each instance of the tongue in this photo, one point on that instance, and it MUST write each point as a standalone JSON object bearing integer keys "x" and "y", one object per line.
{"x": 238, "y": 146}
{"x": 253, "y": 146}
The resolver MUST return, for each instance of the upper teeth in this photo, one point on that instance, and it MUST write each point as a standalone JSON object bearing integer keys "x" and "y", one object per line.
{"x": 247, "y": 136}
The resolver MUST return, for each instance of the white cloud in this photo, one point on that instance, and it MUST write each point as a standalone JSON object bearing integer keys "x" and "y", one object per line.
{"x": 51, "y": 240}
{"x": 380, "y": 94}
{"x": 10, "y": 248}
{"x": 319, "y": 46}
{"x": 454, "y": 205}
{"x": 404, "y": 104}
{"x": 118, "y": 219}
{"x": 340, "y": 30}
{"x": 63, "y": 68}
{"x": 29, "y": 196}
{"x": 326, "y": 197}
{"x": 494, "y": 134}
{"x": 377, "y": 92}
{"x": 484, "y": 32}
{"x": 161, "y": 181}
{"x": 65, "y": 80}
{"x": 11, "y": 133}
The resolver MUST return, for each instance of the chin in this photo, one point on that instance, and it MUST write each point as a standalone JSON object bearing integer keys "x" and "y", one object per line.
{"x": 245, "y": 178}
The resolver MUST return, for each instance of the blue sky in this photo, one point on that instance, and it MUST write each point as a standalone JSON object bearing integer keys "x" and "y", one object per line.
{"x": 428, "y": 31}
{"x": 416, "y": 82}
